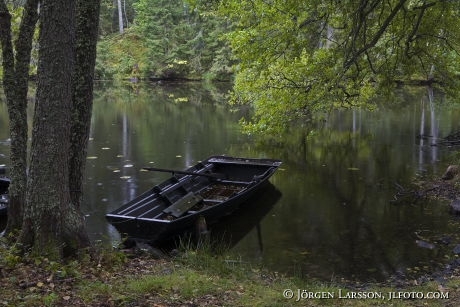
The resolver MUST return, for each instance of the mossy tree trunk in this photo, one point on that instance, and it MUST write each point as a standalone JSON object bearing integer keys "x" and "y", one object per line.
{"x": 15, "y": 82}
{"x": 49, "y": 214}
{"x": 52, "y": 226}
{"x": 86, "y": 36}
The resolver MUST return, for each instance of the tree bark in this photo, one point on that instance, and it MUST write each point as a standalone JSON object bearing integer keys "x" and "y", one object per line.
{"x": 52, "y": 226}
{"x": 86, "y": 35}
{"x": 120, "y": 17}
{"x": 16, "y": 77}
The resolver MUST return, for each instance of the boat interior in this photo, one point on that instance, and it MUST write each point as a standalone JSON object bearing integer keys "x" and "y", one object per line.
{"x": 184, "y": 194}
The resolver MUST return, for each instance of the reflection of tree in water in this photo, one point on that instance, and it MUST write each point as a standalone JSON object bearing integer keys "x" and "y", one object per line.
{"x": 355, "y": 246}
{"x": 132, "y": 128}
{"x": 349, "y": 176}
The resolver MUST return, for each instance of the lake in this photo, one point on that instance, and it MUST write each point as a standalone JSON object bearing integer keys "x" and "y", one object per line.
{"x": 335, "y": 211}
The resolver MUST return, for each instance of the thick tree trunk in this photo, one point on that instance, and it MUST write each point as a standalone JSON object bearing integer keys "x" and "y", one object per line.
{"x": 86, "y": 35}
{"x": 16, "y": 76}
{"x": 52, "y": 226}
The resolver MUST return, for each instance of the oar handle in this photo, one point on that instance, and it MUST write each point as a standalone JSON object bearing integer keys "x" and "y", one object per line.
{"x": 164, "y": 170}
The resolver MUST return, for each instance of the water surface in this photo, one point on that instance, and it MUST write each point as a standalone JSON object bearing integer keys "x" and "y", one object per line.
{"x": 334, "y": 212}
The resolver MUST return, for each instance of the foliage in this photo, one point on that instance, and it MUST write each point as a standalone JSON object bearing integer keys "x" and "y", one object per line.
{"x": 169, "y": 40}
{"x": 108, "y": 21}
{"x": 301, "y": 58}
{"x": 16, "y": 10}
{"x": 118, "y": 56}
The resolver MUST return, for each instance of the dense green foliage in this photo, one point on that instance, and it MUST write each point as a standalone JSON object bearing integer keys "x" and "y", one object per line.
{"x": 169, "y": 40}
{"x": 17, "y": 11}
{"x": 296, "y": 59}
{"x": 108, "y": 21}
{"x": 299, "y": 58}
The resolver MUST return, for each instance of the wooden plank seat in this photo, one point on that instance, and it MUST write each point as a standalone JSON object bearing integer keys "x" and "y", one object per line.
{"x": 181, "y": 206}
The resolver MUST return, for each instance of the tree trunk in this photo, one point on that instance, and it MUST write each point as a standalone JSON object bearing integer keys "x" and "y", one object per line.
{"x": 16, "y": 77}
{"x": 86, "y": 35}
{"x": 52, "y": 226}
{"x": 120, "y": 17}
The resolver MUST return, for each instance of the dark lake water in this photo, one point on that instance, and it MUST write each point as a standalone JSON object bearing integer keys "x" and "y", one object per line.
{"x": 332, "y": 214}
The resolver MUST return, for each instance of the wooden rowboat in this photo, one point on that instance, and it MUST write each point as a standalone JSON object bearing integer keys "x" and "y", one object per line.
{"x": 208, "y": 190}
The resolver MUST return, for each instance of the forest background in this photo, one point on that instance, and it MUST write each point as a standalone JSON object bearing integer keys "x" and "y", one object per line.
{"x": 290, "y": 60}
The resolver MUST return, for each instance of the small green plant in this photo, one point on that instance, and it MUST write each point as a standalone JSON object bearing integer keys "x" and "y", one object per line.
{"x": 50, "y": 299}
{"x": 10, "y": 256}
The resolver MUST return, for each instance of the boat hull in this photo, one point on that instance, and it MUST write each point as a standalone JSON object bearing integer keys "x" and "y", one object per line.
{"x": 237, "y": 179}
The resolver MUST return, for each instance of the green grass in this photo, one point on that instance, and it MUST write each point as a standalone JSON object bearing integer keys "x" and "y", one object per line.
{"x": 195, "y": 276}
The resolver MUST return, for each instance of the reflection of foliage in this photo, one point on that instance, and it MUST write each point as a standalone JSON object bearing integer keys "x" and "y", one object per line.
{"x": 337, "y": 184}
{"x": 145, "y": 123}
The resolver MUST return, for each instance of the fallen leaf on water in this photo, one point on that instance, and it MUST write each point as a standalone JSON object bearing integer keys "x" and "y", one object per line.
{"x": 91, "y": 157}
{"x": 125, "y": 177}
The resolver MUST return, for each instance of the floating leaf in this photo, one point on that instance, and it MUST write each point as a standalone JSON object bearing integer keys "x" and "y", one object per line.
{"x": 91, "y": 158}
{"x": 178, "y": 156}
{"x": 128, "y": 165}
{"x": 105, "y": 148}
{"x": 125, "y": 177}
{"x": 120, "y": 156}
{"x": 181, "y": 99}
{"x": 353, "y": 169}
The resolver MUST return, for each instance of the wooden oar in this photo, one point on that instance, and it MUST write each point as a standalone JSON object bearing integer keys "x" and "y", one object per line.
{"x": 164, "y": 170}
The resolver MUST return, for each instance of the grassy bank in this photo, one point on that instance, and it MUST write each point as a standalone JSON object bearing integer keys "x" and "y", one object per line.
{"x": 192, "y": 278}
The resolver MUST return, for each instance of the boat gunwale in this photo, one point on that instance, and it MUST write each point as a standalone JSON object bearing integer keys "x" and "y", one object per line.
{"x": 271, "y": 164}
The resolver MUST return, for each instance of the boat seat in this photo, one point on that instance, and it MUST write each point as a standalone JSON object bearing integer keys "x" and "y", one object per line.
{"x": 181, "y": 206}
